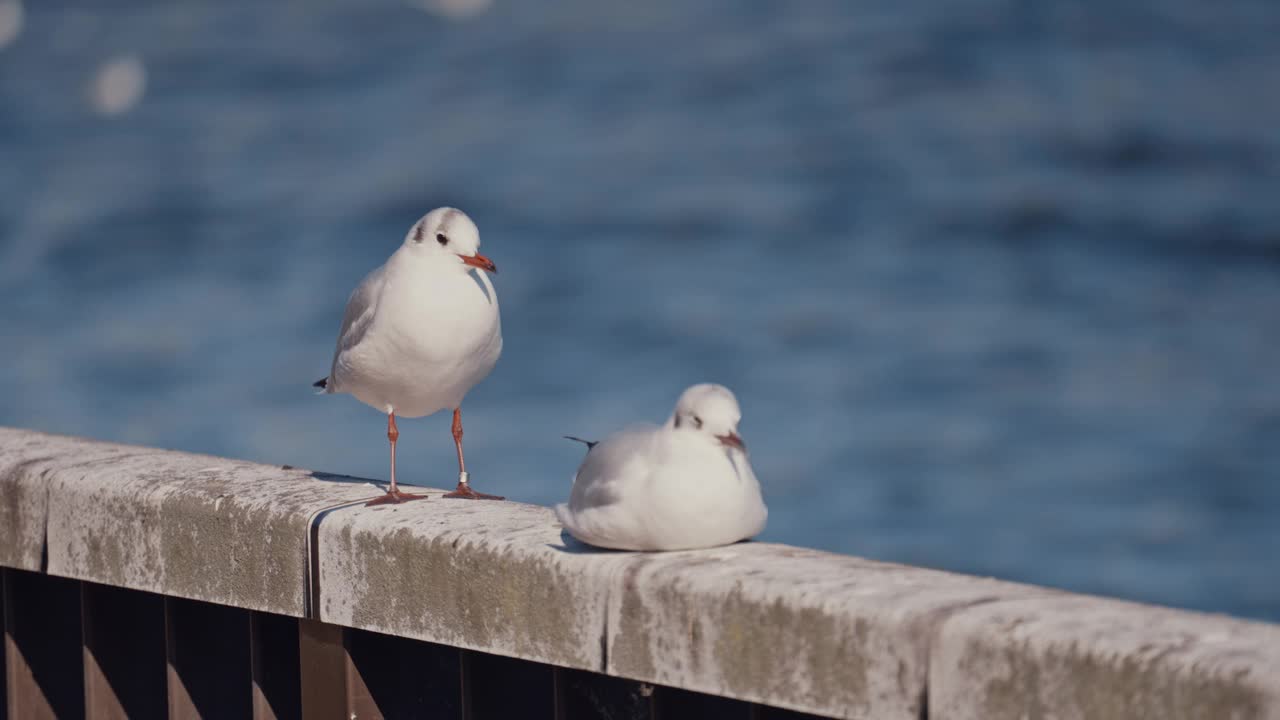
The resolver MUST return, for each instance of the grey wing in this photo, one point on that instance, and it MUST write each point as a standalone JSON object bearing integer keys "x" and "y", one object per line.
{"x": 610, "y": 466}
{"x": 359, "y": 313}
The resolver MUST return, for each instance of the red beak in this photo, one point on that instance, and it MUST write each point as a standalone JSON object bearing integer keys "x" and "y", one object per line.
{"x": 479, "y": 261}
{"x": 732, "y": 440}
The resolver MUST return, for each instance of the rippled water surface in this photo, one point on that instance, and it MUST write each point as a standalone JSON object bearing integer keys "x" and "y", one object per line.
{"x": 997, "y": 285}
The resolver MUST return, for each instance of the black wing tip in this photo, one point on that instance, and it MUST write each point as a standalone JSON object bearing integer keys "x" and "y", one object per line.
{"x": 589, "y": 443}
{"x": 322, "y": 383}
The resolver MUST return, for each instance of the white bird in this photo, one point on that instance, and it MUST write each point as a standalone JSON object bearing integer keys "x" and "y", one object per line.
{"x": 684, "y": 485}
{"x": 420, "y": 331}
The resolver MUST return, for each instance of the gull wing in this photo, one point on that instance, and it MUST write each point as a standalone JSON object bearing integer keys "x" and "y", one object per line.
{"x": 610, "y": 465}
{"x": 598, "y": 511}
{"x": 359, "y": 313}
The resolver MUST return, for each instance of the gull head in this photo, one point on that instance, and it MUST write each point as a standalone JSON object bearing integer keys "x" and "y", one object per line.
{"x": 711, "y": 410}
{"x": 448, "y": 233}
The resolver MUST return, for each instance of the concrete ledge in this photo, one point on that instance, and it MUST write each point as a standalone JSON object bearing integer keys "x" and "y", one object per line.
{"x": 191, "y": 526}
{"x": 791, "y": 627}
{"x": 795, "y": 628}
{"x": 1074, "y": 656}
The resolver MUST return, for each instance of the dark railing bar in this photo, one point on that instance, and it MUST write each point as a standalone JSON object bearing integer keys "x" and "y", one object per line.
{"x": 258, "y": 670}
{"x": 177, "y": 699}
{"x": 466, "y": 706}
{"x": 274, "y": 666}
{"x": 123, "y": 648}
{"x": 500, "y": 687}
{"x": 100, "y": 701}
{"x": 558, "y": 693}
{"x": 322, "y": 670}
{"x": 207, "y": 648}
{"x": 44, "y": 675}
{"x": 4, "y": 645}
{"x": 23, "y": 697}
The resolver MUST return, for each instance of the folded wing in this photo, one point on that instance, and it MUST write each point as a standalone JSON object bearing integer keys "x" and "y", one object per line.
{"x": 357, "y": 317}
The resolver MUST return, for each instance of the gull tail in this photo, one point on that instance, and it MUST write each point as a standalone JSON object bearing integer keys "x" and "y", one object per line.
{"x": 589, "y": 443}
{"x": 323, "y": 384}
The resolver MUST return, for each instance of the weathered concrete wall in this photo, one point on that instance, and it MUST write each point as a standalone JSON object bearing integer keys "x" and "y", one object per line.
{"x": 193, "y": 526}
{"x": 795, "y": 628}
{"x": 1076, "y": 657}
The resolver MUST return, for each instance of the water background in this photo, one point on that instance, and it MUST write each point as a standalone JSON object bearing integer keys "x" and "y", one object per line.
{"x": 997, "y": 283}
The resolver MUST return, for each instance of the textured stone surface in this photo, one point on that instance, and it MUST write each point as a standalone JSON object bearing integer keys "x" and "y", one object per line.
{"x": 794, "y": 628}
{"x": 791, "y": 627}
{"x": 482, "y": 575}
{"x": 828, "y": 634}
{"x": 28, "y": 461}
{"x": 1082, "y": 658}
{"x": 188, "y": 525}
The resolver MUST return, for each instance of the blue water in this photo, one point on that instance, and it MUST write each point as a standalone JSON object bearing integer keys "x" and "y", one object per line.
{"x": 997, "y": 284}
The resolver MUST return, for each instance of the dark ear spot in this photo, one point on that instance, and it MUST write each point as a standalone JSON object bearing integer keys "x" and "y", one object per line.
{"x": 677, "y": 423}
{"x": 418, "y": 231}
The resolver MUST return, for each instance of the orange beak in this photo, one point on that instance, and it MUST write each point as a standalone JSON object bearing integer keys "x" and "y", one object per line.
{"x": 732, "y": 440}
{"x": 479, "y": 261}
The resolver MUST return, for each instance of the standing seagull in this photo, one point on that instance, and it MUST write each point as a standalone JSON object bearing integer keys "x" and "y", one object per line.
{"x": 421, "y": 331}
{"x": 684, "y": 485}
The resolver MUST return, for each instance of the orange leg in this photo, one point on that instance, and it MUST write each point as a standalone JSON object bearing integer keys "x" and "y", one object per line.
{"x": 464, "y": 485}
{"x": 457, "y": 438}
{"x": 393, "y": 434}
{"x": 393, "y": 492}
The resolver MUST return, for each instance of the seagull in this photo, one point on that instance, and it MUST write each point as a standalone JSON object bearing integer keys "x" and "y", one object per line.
{"x": 684, "y": 485}
{"x": 419, "y": 332}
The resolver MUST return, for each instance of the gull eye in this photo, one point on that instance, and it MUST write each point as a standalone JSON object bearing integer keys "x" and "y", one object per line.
{"x": 697, "y": 422}
{"x": 442, "y": 239}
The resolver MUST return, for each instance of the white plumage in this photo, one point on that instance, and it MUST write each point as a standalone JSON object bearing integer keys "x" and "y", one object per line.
{"x": 421, "y": 330}
{"x": 687, "y": 484}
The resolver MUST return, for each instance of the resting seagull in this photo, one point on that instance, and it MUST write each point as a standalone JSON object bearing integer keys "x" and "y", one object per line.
{"x": 684, "y": 485}
{"x": 420, "y": 331}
